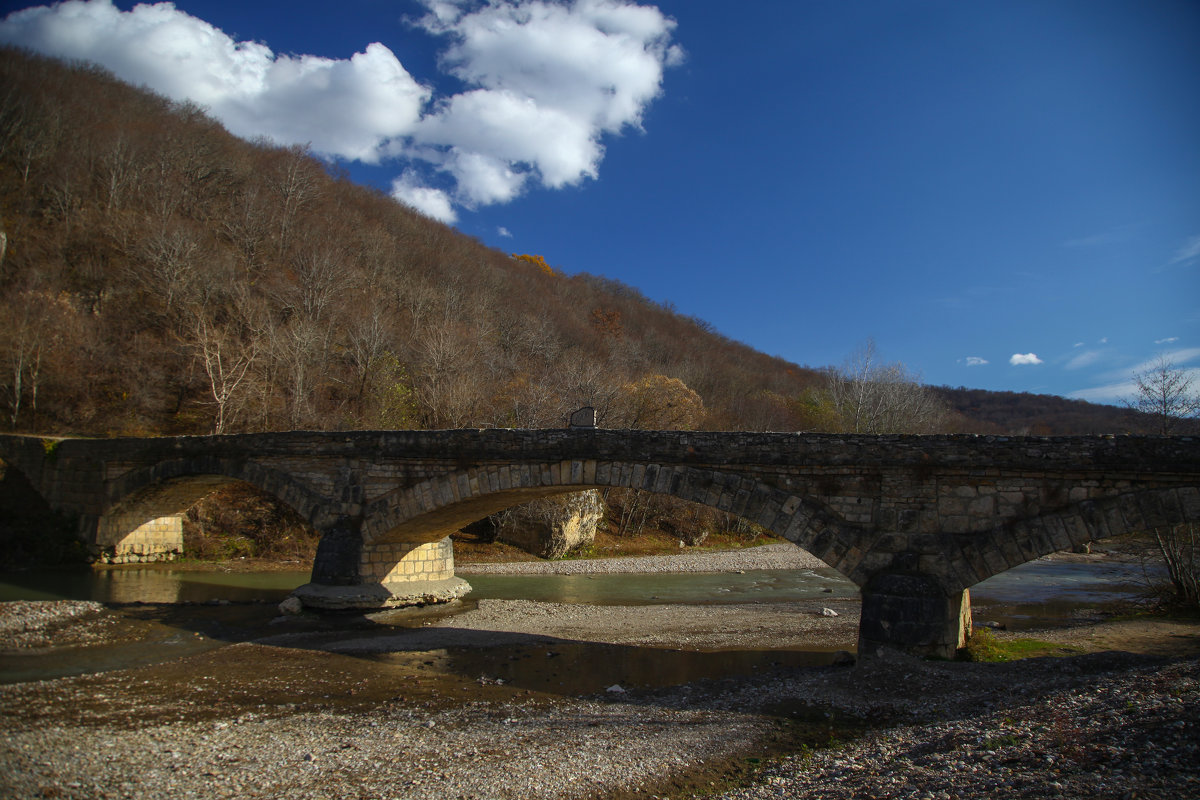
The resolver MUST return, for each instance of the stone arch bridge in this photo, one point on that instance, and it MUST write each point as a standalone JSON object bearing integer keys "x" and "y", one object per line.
{"x": 914, "y": 521}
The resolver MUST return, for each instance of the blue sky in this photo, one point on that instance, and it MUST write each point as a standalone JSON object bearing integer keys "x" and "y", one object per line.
{"x": 1003, "y": 195}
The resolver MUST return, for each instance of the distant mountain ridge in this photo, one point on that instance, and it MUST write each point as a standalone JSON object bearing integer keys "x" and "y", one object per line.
{"x": 1038, "y": 414}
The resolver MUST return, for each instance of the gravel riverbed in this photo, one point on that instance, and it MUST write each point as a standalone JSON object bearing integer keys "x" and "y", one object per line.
{"x": 780, "y": 555}
{"x": 490, "y": 702}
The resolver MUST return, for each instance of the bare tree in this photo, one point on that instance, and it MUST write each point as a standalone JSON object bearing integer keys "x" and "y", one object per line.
{"x": 1180, "y": 548}
{"x": 226, "y": 357}
{"x": 22, "y": 344}
{"x": 873, "y": 397}
{"x": 1165, "y": 392}
{"x": 366, "y": 341}
{"x": 167, "y": 267}
{"x": 297, "y": 183}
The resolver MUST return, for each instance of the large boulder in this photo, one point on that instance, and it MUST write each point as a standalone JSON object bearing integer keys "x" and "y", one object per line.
{"x": 553, "y": 526}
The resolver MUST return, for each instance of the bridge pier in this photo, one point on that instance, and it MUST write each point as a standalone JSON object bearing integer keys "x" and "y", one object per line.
{"x": 131, "y": 538}
{"x": 348, "y": 574}
{"x": 914, "y": 614}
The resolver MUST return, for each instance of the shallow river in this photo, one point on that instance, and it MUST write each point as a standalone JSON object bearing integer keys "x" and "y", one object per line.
{"x": 1049, "y": 583}
{"x": 1041, "y": 593}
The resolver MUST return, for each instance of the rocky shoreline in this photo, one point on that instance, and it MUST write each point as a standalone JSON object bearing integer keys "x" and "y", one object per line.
{"x": 488, "y": 701}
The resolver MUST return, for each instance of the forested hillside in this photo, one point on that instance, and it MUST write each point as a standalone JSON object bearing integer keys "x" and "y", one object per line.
{"x": 161, "y": 276}
{"x": 1038, "y": 414}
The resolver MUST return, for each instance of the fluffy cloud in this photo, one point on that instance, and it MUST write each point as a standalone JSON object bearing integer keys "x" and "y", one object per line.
{"x": 976, "y": 361}
{"x": 433, "y": 203}
{"x": 1019, "y": 359}
{"x": 544, "y": 82}
{"x": 348, "y": 108}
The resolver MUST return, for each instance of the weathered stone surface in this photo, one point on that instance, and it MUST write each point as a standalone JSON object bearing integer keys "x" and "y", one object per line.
{"x": 291, "y": 605}
{"x": 339, "y": 555}
{"x": 379, "y": 595}
{"x": 910, "y": 612}
{"x": 552, "y": 527}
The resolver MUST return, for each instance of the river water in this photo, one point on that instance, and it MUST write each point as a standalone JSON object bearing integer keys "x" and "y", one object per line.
{"x": 174, "y": 612}
{"x": 1047, "y": 584}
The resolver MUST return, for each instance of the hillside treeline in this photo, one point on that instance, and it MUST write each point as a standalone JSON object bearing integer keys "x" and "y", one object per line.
{"x": 163, "y": 276}
{"x": 158, "y": 275}
{"x": 1027, "y": 414}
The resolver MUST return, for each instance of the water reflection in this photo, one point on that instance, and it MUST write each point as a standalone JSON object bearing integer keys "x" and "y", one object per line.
{"x": 588, "y": 667}
{"x": 1036, "y": 582}
{"x": 149, "y": 585}
{"x": 762, "y": 586}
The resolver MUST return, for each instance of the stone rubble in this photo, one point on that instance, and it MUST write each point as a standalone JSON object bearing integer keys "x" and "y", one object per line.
{"x": 28, "y": 623}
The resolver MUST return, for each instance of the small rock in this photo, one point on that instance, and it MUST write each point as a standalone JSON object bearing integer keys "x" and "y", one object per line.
{"x": 616, "y": 688}
{"x": 828, "y": 612}
{"x": 291, "y": 605}
{"x": 843, "y": 658}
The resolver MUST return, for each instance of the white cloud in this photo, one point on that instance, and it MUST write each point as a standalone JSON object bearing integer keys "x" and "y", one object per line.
{"x": 350, "y": 108}
{"x": 1084, "y": 359}
{"x": 1119, "y": 385}
{"x": 433, "y": 203}
{"x": 1189, "y": 251}
{"x": 1018, "y": 359}
{"x": 504, "y": 232}
{"x": 1168, "y": 340}
{"x": 975, "y": 361}
{"x": 1176, "y": 357}
{"x": 1108, "y": 393}
{"x": 544, "y": 82}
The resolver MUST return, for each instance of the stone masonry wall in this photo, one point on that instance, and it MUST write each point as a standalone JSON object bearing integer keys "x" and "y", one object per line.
{"x": 160, "y": 539}
{"x": 401, "y": 562}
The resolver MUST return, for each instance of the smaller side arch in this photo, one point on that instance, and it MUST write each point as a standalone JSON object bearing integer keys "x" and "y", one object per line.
{"x": 278, "y": 484}
{"x": 143, "y": 519}
{"x": 980, "y": 556}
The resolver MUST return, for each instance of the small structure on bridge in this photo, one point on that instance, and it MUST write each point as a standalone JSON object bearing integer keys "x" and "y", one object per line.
{"x": 583, "y": 418}
{"x": 914, "y": 521}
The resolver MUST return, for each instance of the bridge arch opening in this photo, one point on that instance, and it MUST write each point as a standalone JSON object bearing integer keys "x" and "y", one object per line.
{"x": 1071, "y": 527}
{"x": 434, "y": 509}
{"x": 145, "y": 520}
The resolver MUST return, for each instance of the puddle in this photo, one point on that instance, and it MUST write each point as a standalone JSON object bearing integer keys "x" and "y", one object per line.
{"x": 62, "y": 662}
{"x": 583, "y": 668}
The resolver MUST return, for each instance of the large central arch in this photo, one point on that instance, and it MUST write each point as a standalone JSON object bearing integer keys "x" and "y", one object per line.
{"x": 435, "y": 508}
